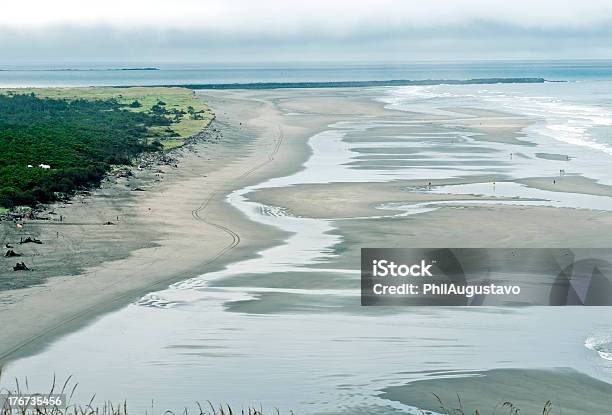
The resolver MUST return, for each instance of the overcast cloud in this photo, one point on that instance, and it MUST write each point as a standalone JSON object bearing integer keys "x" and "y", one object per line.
{"x": 272, "y": 30}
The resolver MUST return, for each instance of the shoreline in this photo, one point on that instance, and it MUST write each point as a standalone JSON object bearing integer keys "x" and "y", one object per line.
{"x": 122, "y": 185}
{"x": 260, "y": 282}
{"x": 489, "y": 389}
{"x": 40, "y": 313}
{"x": 261, "y": 134}
{"x": 263, "y": 124}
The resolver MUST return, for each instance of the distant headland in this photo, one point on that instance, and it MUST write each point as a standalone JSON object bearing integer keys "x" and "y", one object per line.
{"x": 81, "y": 69}
{"x": 352, "y": 84}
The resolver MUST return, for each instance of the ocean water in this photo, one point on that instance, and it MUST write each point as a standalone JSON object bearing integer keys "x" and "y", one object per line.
{"x": 237, "y": 336}
{"x": 174, "y": 74}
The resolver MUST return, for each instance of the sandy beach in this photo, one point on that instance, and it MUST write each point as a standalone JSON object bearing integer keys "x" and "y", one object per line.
{"x": 261, "y": 231}
{"x": 571, "y": 392}
{"x": 175, "y": 229}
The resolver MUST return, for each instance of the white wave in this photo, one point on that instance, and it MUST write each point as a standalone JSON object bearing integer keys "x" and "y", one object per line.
{"x": 563, "y": 121}
{"x": 404, "y": 98}
{"x": 600, "y": 344}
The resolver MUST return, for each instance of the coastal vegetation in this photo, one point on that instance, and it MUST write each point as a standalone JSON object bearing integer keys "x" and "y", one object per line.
{"x": 55, "y": 141}
{"x": 188, "y": 114}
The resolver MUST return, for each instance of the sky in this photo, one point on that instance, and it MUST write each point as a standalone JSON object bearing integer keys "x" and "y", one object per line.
{"x": 217, "y": 31}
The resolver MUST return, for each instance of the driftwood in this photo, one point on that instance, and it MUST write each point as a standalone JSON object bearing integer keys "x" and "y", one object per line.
{"x": 138, "y": 189}
{"x": 30, "y": 240}
{"x": 20, "y": 266}
{"x": 10, "y": 254}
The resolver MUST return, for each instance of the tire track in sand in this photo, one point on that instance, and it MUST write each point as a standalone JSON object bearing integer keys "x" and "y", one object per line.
{"x": 196, "y": 213}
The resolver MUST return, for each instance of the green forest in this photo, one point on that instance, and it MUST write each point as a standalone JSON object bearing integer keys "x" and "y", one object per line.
{"x": 49, "y": 148}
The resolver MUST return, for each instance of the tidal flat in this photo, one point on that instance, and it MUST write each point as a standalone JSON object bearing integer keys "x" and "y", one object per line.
{"x": 324, "y": 173}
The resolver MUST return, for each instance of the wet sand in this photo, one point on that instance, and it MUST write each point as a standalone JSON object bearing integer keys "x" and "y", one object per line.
{"x": 570, "y": 392}
{"x": 192, "y": 224}
{"x": 178, "y": 228}
{"x": 568, "y": 184}
{"x": 355, "y": 200}
{"x": 174, "y": 230}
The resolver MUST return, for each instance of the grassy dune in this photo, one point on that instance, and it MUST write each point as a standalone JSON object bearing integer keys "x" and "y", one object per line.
{"x": 175, "y": 98}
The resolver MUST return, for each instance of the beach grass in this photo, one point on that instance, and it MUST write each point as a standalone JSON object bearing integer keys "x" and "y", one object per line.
{"x": 68, "y": 388}
{"x": 506, "y": 407}
{"x": 173, "y": 98}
